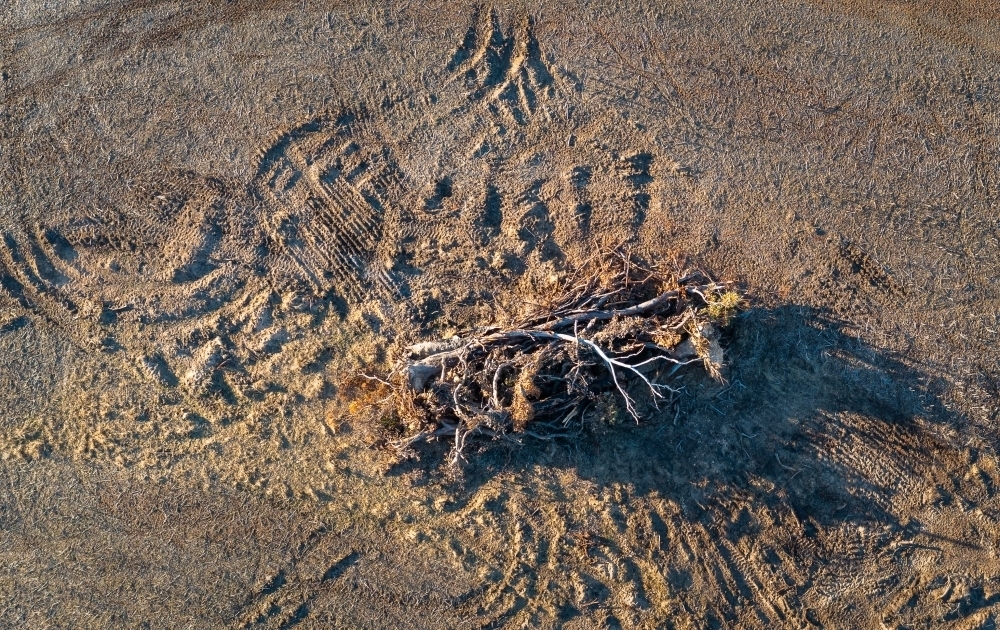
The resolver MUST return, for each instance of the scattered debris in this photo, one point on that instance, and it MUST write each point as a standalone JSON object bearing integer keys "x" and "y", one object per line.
{"x": 614, "y": 327}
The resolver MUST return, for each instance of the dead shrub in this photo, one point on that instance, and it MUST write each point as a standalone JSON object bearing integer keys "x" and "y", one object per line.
{"x": 611, "y": 329}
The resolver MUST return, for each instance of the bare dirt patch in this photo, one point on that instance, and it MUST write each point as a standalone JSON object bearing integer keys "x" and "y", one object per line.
{"x": 211, "y": 216}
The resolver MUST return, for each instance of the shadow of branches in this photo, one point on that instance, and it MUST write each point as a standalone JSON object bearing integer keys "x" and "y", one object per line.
{"x": 814, "y": 461}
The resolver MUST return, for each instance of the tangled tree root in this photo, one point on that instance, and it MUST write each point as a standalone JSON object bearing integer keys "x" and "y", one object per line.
{"x": 611, "y": 330}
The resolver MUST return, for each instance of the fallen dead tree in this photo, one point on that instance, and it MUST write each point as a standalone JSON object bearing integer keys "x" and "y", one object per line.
{"x": 615, "y": 331}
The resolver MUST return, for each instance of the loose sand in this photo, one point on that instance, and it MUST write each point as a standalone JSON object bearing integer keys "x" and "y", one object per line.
{"x": 214, "y": 213}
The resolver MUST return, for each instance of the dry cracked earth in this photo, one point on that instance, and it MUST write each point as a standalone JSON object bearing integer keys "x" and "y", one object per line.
{"x": 212, "y": 214}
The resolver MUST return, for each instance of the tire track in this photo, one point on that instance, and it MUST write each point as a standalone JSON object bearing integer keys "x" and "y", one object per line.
{"x": 334, "y": 188}
{"x": 505, "y": 74}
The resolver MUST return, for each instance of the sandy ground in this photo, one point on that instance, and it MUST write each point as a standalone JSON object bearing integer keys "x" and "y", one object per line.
{"x": 214, "y": 213}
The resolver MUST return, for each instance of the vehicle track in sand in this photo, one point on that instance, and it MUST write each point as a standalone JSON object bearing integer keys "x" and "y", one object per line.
{"x": 395, "y": 174}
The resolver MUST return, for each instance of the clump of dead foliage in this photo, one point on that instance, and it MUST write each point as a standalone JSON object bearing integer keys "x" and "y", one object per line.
{"x": 612, "y": 329}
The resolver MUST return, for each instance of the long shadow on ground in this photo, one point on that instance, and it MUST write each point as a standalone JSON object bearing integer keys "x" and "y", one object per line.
{"x": 801, "y": 470}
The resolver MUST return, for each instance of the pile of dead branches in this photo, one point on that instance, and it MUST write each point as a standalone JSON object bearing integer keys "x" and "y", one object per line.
{"x": 616, "y": 329}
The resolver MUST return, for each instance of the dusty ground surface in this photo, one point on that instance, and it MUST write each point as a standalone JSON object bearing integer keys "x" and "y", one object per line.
{"x": 213, "y": 212}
